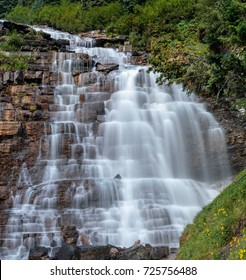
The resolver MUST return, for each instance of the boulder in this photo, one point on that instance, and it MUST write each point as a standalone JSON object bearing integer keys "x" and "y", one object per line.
{"x": 38, "y": 253}
{"x": 106, "y": 68}
{"x": 68, "y": 252}
{"x": 117, "y": 176}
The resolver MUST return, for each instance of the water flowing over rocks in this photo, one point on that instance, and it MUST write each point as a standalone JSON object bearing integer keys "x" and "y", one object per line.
{"x": 235, "y": 131}
{"x": 69, "y": 250}
{"x": 59, "y": 153}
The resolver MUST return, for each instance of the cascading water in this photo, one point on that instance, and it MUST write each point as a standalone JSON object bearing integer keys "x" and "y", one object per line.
{"x": 156, "y": 159}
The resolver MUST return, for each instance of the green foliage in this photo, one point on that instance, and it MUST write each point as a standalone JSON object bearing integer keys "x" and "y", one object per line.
{"x": 21, "y": 14}
{"x": 206, "y": 51}
{"x": 197, "y": 43}
{"x": 98, "y": 18}
{"x": 218, "y": 231}
{"x": 13, "y": 62}
{"x": 6, "y": 6}
{"x": 13, "y": 42}
{"x": 239, "y": 105}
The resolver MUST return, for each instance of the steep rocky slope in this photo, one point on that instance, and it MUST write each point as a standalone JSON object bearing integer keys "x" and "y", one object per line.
{"x": 27, "y": 103}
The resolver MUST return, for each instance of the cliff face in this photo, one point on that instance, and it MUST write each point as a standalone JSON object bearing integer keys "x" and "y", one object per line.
{"x": 234, "y": 124}
{"x": 27, "y": 103}
{"x": 26, "y": 107}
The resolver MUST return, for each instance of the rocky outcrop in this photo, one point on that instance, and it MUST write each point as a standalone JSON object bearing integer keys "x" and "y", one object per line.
{"x": 234, "y": 125}
{"x": 69, "y": 250}
{"x": 102, "y": 40}
{"x": 108, "y": 252}
{"x": 26, "y": 107}
{"x": 34, "y": 41}
{"x": 106, "y": 68}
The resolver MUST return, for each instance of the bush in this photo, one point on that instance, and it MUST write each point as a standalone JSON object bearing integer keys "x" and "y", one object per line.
{"x": 13, "y": 42}
{"x": 13, "y": 62}
{"x": 21, "y": 14}
{"x": 98, "y": 18}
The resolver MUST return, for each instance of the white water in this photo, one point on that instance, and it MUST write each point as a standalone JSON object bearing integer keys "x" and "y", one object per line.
{"x": 169, "y": 151}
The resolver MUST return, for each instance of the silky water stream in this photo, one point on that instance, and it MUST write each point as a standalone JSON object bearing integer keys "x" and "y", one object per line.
{"x": 152, "y": 159}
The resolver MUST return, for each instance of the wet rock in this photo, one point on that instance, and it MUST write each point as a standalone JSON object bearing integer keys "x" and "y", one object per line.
{"x": 95, "y": 252}
{"x": 101, "y": 118}
{"x": 68, "y": 252}
{"x": 234, "y": 128}
{"x": 82, "y": 63}
{"x": 135, "y": 252}
{"x": 107, "y": 252}
{"x": 38, "y": 253}
{"x": 6, "y": 99}
{"x": 9, "y": 128}
{"x": 4, "y": 192}
{"x": 106, "y": 68}
{"x": 70, "y": 234}
{"x": 11, "y": 26}
{"x": 144, "y": 252}
{"x": 33, "y": 77}
{"x": 84, "y": 239}
{"x": 117, "y": 176}
{"x": 114, "y": 253}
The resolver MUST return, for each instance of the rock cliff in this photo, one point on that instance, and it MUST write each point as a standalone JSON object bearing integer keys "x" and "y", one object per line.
{"x": 27, "y": 103}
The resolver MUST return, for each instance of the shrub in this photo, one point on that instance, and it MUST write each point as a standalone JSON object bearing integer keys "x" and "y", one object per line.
{"x": 13, "y": 42}
{"x": 13, "y": 62}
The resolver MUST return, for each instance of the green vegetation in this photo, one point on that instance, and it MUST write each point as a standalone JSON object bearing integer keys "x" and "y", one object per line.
{"x": 219, "y": 231}
{"x": 197, "y": 43}
{"x": 12, "y": 42}
{"x": 13, "y": 62}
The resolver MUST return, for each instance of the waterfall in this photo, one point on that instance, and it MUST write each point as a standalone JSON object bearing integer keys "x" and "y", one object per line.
{"x": 149, "y": 163}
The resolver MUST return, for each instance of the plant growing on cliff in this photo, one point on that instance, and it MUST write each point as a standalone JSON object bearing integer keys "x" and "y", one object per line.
{"x": 219, "y": 230}
{"x": 199, "y": 43}
{"x": 12, "y": 42}
{"x": 13, "y": 62}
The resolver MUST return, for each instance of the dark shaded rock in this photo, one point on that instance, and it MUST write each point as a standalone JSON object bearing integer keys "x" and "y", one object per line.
{"x": 114, "y": 253}
{"x": 95, "y": 253}
{"x": 235, "y": 130}
{"x": 33, "y": 77}
{"x": 68, "y": 252}
{"x": 5, "y": 99}
{"x": 139, "y": 58}
{"x": 70, "y": 234}
{"x": 144, "y": 252}
{"x": 20, "y": 28}
{"x": 106, "y": 68}
{"x": 4, "y": 192}
{"x": 107, "y": 252}
{"x": 38, "y": 253}
{"x": 117, "y": 176}
{"x": 109, "y": 42}
{"x": 135, "y": 252}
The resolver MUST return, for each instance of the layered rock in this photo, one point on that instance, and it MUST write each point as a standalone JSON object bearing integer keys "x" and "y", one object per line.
{"x": 34, "y": 41}
{"x": 26, "y": 108}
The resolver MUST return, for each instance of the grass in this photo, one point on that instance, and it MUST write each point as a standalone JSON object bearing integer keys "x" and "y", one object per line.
{"x": 219, "y": 230}
{"x": 13, "y": 62}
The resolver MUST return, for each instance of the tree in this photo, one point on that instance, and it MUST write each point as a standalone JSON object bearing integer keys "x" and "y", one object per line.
{"x": 6, "y": 6}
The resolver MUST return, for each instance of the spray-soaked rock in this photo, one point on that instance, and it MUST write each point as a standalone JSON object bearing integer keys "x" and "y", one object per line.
{"x": 70, "y": 234}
